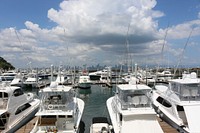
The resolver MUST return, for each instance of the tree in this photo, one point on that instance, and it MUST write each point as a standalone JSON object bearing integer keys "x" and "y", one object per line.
{"x": 5, "y": 65}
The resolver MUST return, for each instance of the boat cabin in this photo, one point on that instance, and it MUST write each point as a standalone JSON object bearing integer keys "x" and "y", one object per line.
{"x": 187, "y": 88}
{"x": 133, "y": 96}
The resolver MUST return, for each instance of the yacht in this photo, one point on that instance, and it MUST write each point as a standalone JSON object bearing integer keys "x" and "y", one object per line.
{"x": 100, "y": 125}
{"x": 130, "y": 110}
{"x": 178, "y": 102}
{"x": 84, "y": 82}
{"x": 60, "y": 110}
{"x": 8, "y": 76}
{"x": 164, "y": 75}
{"x": 101, "y": 73}
{"x": 32, "y": 80}
{"x": 18, "y": 80}
{"x": 16, "y": 108}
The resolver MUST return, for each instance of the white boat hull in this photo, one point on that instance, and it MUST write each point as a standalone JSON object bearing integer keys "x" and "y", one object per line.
{"x": 22, "y": 120}
{"x": 139, "y": 123}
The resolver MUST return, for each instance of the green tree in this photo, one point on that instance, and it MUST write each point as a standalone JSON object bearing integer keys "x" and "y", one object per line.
{"x": 5, "y": 65}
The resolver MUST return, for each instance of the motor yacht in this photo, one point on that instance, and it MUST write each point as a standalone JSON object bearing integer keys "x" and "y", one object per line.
{"x": 178, "y": 102}
{"x": 60, "y": 110}
{"x": 130, "y": 110}
{"x": 16, "y": 108}
{"x": 84, "y": 82}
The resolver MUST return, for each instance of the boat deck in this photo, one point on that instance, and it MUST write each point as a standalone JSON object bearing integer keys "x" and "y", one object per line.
{"x": 28, "y": 127}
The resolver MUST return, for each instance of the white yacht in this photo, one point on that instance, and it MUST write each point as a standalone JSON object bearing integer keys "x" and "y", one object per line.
{"x": 130, "y": 110}
{"x": 16, "y": 108}
{"x": 165, "y": 75}
{"x": 18, "y": 80}
{"x": 60, "y": 110}
{"x": 84, "y": 82}
{"x": 8, "y": 76}
{"x": 178, "y": 102}
{"x": 32, "y": 80}
{"x": 100, "y": 125}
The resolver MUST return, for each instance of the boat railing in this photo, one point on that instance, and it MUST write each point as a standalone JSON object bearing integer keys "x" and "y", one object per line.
{"x": 62, "y": 107}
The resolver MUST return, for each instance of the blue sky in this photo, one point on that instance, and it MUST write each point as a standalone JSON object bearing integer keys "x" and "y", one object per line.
{"x": 77, "y": 32}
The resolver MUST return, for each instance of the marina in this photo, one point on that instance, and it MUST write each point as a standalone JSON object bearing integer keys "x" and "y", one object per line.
{"x": 90, "y": 66}
{"x": 95, "y": 106}
{"x": 124, "y": 100}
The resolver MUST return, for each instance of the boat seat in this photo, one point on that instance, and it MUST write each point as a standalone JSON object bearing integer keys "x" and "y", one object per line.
{"x": 194, "y": 93}
{"x": 135, "y": 100}
{"x": 144, "y": 100}
{"x": 186, "y": 93}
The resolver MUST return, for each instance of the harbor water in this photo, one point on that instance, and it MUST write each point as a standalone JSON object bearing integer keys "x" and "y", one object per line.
{"x": 95, "y": 103}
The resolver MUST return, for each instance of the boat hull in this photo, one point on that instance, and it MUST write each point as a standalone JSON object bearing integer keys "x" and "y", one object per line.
{"x": 22, "y": 122}
{"x": 165, "y": 118}
{"x": 84, "y": 85}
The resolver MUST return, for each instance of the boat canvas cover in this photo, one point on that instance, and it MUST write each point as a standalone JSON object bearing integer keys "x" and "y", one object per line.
{"x": 193, "y": 117}
{"x": 141, "y": 126}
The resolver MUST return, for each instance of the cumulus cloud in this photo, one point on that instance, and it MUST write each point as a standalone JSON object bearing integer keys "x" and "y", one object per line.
{"x": 93, "y": 29}
{"x": 94, "y": 22}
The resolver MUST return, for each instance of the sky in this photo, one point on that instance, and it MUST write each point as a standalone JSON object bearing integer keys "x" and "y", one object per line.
{"x": 42, "y": 33}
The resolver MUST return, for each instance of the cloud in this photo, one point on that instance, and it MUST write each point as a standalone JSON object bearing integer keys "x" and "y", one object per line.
{"x": 89, "y": 30}
{"x": 181, "y": 31}
{"x": 94, "y": 22}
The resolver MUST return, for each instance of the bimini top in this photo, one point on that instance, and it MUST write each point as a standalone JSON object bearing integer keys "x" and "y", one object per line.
{"x": 133, "y": 87}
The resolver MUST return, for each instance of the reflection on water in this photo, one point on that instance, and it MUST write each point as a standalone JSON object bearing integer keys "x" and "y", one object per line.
{"x": 84, "y": 93}
{"x": 95, "y": 103}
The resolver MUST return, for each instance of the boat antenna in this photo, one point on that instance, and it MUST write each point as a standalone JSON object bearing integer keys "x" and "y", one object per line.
{"x": 20, "y": 42}
{"x": 162, "y": 50}
{"x": 181, "y": 56}
{"x": 127, "y": 48}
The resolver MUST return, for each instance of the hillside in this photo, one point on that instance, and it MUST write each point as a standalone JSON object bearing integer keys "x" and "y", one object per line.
{"x": 5, "y": 65}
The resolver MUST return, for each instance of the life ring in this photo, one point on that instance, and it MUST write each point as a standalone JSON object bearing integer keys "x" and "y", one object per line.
{"x": 50, "y": 106}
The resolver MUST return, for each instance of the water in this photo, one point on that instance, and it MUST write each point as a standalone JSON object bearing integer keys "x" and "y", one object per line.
{"x": 95, "y": 103}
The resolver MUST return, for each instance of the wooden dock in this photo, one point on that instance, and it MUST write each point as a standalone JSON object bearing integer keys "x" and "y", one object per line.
{"x": 166, "y": 127}
{"x": 29, "y": 126}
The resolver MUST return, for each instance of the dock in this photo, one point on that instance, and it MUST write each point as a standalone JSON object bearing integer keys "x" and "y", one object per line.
{"x": 166, "y": 127}
{"x": 29, "y": 126}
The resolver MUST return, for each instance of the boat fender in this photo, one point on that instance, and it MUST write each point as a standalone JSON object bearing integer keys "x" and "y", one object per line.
{"x": 50, "y": 106}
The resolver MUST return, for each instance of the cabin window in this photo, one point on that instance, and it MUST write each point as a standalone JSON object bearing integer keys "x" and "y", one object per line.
{"x": 18, "y": 92}
{"x": 49, "y": 116}
{"x": 69, "y": 116}
{"x": 61, "y": 116}
{"x": 179, "y": 108}
{"x": 120, "y": 117}
{"x": 3, "y": 95}
{"x": 163, "y": 102}
{"x": 22, "y": 108}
